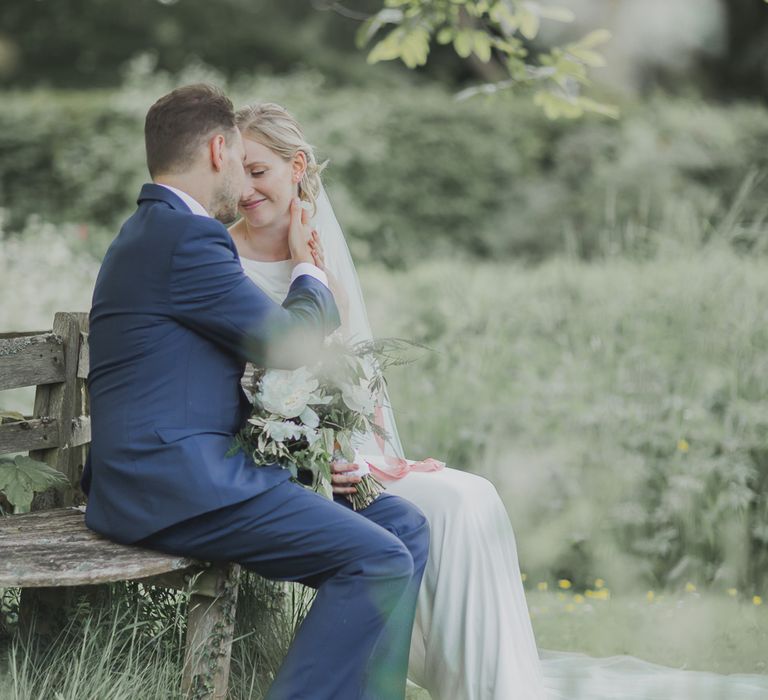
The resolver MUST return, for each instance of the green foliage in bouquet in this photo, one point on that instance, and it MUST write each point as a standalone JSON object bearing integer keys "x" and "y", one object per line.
{"x": 308, "y": 418}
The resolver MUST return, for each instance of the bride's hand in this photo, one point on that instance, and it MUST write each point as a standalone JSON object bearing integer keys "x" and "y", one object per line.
{"x": 316, "y": 247}
{"x": 340, "y": 481}
{"x": 300, "y": 234}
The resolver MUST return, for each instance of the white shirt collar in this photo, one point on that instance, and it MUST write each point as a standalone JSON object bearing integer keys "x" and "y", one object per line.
{"x": 194, "y": 206}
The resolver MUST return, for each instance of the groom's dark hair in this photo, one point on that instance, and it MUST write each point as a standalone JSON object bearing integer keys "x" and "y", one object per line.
{"x": 178, "y": 123}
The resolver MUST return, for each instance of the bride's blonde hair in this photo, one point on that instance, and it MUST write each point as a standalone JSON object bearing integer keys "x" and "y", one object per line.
{"x": 276, "y": 128}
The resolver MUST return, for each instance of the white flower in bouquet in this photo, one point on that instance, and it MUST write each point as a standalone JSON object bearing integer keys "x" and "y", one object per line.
{"x": 307, "y": 419}
{"x": 287, "y": 392}
{"x": 359, "y": 398}
{"x": 280, "y": 431}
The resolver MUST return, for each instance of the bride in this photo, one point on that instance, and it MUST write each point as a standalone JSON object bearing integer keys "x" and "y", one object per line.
{"x": 472, "y": 638}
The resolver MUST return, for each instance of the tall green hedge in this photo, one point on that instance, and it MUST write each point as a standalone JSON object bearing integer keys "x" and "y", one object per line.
{"x": 415, "y": 173}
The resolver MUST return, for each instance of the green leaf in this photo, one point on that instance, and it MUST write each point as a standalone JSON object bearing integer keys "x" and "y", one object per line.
{"x": 590, "y": 105}
{"x": 502, "y": 15}
{"x": 345, "y": 445}
{"x": 482, "y": 46}
{"x": 388, "y": 48}
{"x": 409, "y": 44}
{"x": 595, "y": 38}
{"x": 328, "y": 439}
{"x": 590, "y": 58}
{"x": 464, "y": 43}
{"x": 21, "y": 478}
{"x": 445, "y": 35}
{"x": 372, "y": 25}
{"x": 556, "y": 105}
{"x": 415, "y": 48}
{"x": 529, "y": 23}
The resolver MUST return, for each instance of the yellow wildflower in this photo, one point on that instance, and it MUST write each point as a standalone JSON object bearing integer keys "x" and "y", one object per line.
{"x": 732, "y": 592}
{"x": 599, "y": 583}
{"x": 564, "y": 583}
{"x": 690, "y": 588}
{"x": 682, "y": 445}
{"x": 757, "y": 600}
{"x": 651, "y": 596}
{"x": 524, "y": 577}
{"x": 578, "y": 599}
{"x": 542, "y": 585}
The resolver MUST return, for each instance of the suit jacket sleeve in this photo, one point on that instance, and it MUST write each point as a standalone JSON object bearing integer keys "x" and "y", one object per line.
{"x": 210, "y": 293}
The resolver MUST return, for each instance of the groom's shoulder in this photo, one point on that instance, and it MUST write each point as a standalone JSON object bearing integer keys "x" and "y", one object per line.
{"x": 170, "y": 228}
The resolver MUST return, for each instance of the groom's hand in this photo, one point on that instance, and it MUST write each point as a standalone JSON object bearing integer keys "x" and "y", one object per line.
{"x": 300, "y": 234}
{"x": 342, "y": 482}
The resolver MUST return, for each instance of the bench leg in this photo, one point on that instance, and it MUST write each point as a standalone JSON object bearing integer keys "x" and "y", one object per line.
{"x": 210, "y": 626}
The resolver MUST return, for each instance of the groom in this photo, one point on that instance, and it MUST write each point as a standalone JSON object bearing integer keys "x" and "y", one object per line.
{"x": 173, "y": 321}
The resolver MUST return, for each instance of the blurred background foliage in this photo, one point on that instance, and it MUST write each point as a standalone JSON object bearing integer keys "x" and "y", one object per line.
{"x": 594, "y": 290}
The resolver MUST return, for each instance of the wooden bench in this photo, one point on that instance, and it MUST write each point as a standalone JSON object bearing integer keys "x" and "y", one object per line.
{"x": 49, "y": 553}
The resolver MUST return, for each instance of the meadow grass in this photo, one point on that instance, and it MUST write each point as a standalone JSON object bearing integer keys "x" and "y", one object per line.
{"x": 698, "y": 632}
{"x": 578, "y": 389}
{"x": 619, "y": 407}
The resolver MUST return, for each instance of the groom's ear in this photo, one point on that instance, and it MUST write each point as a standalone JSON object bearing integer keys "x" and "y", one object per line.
{"x": 217, "y": 146}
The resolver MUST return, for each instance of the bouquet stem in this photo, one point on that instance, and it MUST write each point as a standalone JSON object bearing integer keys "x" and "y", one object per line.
{"x": 368, "y": 490}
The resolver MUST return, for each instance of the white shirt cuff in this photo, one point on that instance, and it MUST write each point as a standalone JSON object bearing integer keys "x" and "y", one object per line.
{"x": 304, "y": 268}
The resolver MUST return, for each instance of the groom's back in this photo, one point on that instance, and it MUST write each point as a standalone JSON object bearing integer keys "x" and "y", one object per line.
{"x": 165, "y": 400}
{"x": 137, "y": 344}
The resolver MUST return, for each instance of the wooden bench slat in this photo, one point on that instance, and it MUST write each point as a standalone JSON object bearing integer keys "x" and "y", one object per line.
{"x": 41, "y": 434}
{"x": 31, "y": 434}
{"x": 31, "y": 360}
{"x": 83, "y": 362}
{"x": 55, "y": 548}
{"x": 81, "y": 431}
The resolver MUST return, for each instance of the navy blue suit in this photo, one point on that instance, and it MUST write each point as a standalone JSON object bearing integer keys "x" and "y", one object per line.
{"x": 173, "y": 321}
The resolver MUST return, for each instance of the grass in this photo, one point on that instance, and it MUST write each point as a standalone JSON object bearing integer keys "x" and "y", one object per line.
{"x": 621, "y": 410}
{"x": 119, "y": 656}
{"x": 701, "y": 632}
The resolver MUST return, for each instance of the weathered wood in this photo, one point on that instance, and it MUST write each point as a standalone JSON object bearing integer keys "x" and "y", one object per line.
{"x": 42, "y": 434}
{"x": 203, "y": 580}
{"x": 81, "y": 431}
{"x": 52, "y": 554}
{"x": 5, "y": 335}
{"x": 64, "y": 401}
{"x": 210, "y": 626}
{"x": 30, "y": 360}
{"x": 32, "y": 434}
{"x": 55, "y": 548}
{"x": 83, "y": 361}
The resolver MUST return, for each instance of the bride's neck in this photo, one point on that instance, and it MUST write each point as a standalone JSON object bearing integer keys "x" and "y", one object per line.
{"x": 267, "y": 244}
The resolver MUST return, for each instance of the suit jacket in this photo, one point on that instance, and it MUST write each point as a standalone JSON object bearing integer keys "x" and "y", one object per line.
{"x": 174, "y": 319}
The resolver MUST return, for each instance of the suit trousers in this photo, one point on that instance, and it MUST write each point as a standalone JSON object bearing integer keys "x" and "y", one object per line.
{"x": 367, "y": 568}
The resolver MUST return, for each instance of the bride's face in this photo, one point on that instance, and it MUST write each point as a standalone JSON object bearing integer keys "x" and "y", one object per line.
{"x": 275, "y": 183}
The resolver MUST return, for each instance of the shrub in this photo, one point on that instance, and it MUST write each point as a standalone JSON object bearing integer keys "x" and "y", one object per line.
{"x": 415, "y": 173}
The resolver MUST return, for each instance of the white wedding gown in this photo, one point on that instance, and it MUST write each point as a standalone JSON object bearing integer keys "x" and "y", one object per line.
{"x": 472, "y": 637}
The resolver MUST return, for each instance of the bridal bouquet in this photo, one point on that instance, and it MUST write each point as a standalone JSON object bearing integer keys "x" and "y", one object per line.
{"x": 305, "y": 419}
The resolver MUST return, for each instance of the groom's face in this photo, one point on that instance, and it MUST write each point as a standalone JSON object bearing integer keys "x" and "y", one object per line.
{"x": 234, "y": 186}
